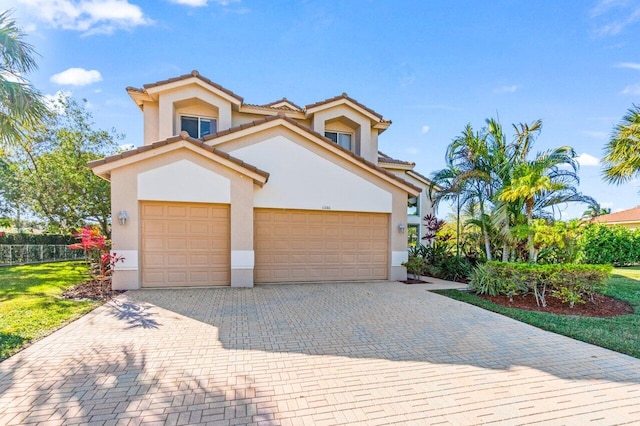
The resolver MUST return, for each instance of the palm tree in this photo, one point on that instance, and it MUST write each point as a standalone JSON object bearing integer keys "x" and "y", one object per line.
{"x": 595, "y": 211}
{"x": 20, "y": 104}
{"x": 470, "y": 154}
{"x": 544, "y": 182}
{"x": 622, "y": 153}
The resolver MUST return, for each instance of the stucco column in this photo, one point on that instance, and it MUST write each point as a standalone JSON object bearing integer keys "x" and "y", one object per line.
{"x": 242, "y": 253}
{"x": 399, "y": 253}
{"x": 126, "y": 275}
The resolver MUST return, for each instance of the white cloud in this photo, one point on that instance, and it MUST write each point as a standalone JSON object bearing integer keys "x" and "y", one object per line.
{"x": 425, "y": 129}
{"x": 586, "y": 160}
{"x": 630, "y": 65}
{"x": 606, "y": 204}
{"x": 633, "y": 89}
{"x": 595, "y": 134}
{"x": 88, "y": 16}
{"x": 614, "y": 16}
{"x": 192, "y": 3}
{"x": 76, "y": 77}
{"x": 505, "y": 89}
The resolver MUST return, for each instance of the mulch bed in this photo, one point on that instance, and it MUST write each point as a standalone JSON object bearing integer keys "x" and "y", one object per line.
{"x": 91, "y": 290}
{"x": 602, "y": 306}
{"x": 414, "y": 281}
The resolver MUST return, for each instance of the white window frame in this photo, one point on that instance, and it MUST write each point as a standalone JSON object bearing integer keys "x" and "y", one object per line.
{"x": 200, "y": 117}
{"x": 338, "y": 133}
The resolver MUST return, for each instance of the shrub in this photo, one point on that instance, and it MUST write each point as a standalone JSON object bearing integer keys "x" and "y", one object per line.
{"x": 570, "y": 283}
{"x": 36, "y": 239}
{"x": 451, "y": 268}
{"x": 97, "y": 250}
{"x": 437, "y": 261}
{"x": 616, "y": 245}
{"x": 415, "y": 265}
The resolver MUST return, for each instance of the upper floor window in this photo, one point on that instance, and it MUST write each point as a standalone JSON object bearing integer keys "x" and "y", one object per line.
{"x": 342, "y": 139}
{"x": 198, "y": 127}
{"x": 413, "y": 207}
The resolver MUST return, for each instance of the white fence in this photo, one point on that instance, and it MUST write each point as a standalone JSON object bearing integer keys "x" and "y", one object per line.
{"x": 18, "y": 254}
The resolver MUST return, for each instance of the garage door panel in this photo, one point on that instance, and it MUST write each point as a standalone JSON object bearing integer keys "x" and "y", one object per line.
{"x": 185, "y": 244}
{"x": 320, "y": 246}
{"x": 176, "y": 211}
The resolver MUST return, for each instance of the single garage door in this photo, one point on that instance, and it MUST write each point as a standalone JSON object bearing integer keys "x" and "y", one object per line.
{"x": 184, "y": 244}
{"x": 303, "y": 245}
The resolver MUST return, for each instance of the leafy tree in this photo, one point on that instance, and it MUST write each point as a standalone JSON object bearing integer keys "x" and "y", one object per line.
{"x": 21, "y": 105}
{"x": 55, "y": 182}
{"x": 621, "y": 162}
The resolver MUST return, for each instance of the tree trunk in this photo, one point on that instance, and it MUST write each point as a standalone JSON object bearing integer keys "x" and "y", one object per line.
{"x": 505, "y": 252}
{"x": 485, "y": 232}
{"x": 532, "y": 251}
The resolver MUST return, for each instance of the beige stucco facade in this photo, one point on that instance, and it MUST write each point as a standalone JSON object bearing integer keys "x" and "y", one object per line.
{"x": 267, "y": 158}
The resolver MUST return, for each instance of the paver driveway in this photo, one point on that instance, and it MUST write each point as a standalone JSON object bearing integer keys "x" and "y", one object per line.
{"x": 374, "y": 353}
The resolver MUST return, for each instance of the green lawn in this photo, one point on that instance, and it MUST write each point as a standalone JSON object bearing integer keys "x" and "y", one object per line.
{"x": 30, "y": 303}
{"x": 621, "y": 334}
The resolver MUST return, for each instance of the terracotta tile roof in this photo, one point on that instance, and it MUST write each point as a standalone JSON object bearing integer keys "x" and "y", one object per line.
{"x": 282, "y": 116}
{"x": 419, "y": 175}
{"x": 384, "y": 158}
{"x": 183, "y": 136}
{"x": 630, "y": 215}
{"x": 282, "y": 108}
{"x": 193, "y": 73}
{"x": 345, "y": 96}
{"x": 270, "y": 104}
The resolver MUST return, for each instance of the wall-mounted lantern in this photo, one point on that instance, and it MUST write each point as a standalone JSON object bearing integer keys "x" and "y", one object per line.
{"x": 401, "y": 228}
{"x": 122, "y": 217}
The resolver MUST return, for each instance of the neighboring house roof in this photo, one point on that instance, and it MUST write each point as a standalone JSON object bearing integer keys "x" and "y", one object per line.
{"x": 329, "y": 142}
{"x": 181, "y": 138}
{"x": 630, "y": 215}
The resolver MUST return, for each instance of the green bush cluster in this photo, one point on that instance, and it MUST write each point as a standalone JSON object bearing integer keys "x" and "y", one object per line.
{"x": 571, "y": 283}
{"x": 36, "y": 239}
{"x": 616, "y": 245}
{"x": 438, "y": 261}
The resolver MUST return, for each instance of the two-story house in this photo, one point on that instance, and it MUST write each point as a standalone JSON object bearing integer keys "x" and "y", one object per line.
{"x": 228, "y": 193}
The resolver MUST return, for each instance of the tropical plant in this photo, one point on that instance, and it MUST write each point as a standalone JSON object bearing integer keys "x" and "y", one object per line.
{"x": 96, "y": 248}
{"x": 621, "y": 162}
{"x": 502, "y": 188}
{"x": 21, "y": 105}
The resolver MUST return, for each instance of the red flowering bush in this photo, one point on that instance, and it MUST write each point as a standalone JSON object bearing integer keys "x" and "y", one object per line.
{"x": 97, "y": 249}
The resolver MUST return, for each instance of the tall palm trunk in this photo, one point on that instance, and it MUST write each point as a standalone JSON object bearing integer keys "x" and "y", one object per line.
{"x": 485, "y": 231}
{"x": 532, "y": 251}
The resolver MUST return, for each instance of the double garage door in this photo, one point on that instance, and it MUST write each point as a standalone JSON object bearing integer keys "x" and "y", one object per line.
{"x": 302, "y": 245}
{"x": 188, "y": 244}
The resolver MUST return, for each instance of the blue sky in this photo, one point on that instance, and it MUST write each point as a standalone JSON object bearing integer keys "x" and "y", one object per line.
{"x": 431, "y": 67}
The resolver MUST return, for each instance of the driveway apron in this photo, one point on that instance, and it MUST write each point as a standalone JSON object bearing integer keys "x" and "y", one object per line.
{"x": 340, "y": 353}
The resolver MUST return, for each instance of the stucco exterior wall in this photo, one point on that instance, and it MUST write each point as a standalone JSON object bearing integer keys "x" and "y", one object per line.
{"x": 151, "y": 113}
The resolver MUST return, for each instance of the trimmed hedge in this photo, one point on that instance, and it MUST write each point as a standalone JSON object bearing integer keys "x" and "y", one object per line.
{"x": 616, "y": 245}
{"x": 571, "y": 283}
{"x": 37, "y": 239}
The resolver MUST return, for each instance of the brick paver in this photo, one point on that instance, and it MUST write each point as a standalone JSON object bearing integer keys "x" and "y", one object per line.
{"x": 375, "y": 353}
